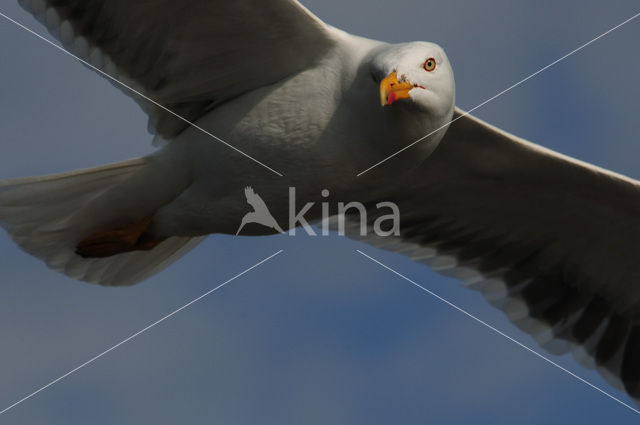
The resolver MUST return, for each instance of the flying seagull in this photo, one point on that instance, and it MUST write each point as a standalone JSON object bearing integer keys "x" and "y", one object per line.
{"x": 550, "y": 240}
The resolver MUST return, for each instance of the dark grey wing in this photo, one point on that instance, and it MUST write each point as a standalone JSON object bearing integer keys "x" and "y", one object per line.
{"x": 187, "y": 55}
{"x": 552, "y": 241}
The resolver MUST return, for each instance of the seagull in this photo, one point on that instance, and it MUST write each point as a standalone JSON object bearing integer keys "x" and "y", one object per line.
{"x": 264, "y": 93}
{"x": 260, "y": 213}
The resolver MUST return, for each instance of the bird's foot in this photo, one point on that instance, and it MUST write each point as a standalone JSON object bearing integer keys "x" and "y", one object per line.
{"x": 118, "y": 241}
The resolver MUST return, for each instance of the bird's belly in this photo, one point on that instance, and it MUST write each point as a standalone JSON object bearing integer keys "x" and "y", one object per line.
{"x": 275, "y": 143}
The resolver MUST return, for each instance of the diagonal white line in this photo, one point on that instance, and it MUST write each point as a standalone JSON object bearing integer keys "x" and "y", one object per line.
{"x": 115, "y": 80}
{"x": 137, "y": 333}
{"x": 501, "y": 93}
{"x": 497, "y": 331}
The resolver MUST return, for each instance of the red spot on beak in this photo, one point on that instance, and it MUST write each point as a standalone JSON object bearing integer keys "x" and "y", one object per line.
{"x": 392, "y": 90}
{"x": 392, "y": 98}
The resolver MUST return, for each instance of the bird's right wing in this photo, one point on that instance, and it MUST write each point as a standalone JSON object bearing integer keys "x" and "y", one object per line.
{"x": 552, "y": 241}
{"x": 187, "y": 55}
{"x": 249, "y": 193}
{"x": 254, "y": 199}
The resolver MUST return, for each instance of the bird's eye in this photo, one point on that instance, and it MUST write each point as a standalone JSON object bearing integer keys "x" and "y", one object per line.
{"x": 429, "y": 64}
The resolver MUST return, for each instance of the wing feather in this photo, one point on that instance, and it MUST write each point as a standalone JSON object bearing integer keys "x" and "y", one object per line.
{"x": 187, "y": 55}
{"x": 548, "y": 239}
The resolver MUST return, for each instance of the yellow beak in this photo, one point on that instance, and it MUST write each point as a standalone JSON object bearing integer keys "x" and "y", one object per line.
{"x": 392, "y": 90}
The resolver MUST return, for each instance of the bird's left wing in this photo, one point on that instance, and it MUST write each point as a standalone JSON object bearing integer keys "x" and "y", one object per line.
{"x": 552, "y": 241}
{"x": 187, "y": 55}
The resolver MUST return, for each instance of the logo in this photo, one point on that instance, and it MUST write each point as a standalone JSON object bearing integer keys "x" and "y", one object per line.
{"x": 261, "y": 215}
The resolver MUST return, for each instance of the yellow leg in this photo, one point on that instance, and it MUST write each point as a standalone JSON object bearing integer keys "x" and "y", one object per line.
{"x": 118, "y": 241}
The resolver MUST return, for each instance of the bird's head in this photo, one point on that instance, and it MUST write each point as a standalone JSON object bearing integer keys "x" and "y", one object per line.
{"x": 418, "y": 74}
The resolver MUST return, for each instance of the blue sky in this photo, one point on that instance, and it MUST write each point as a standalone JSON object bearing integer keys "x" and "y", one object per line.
{"x": 319, "y": 334}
